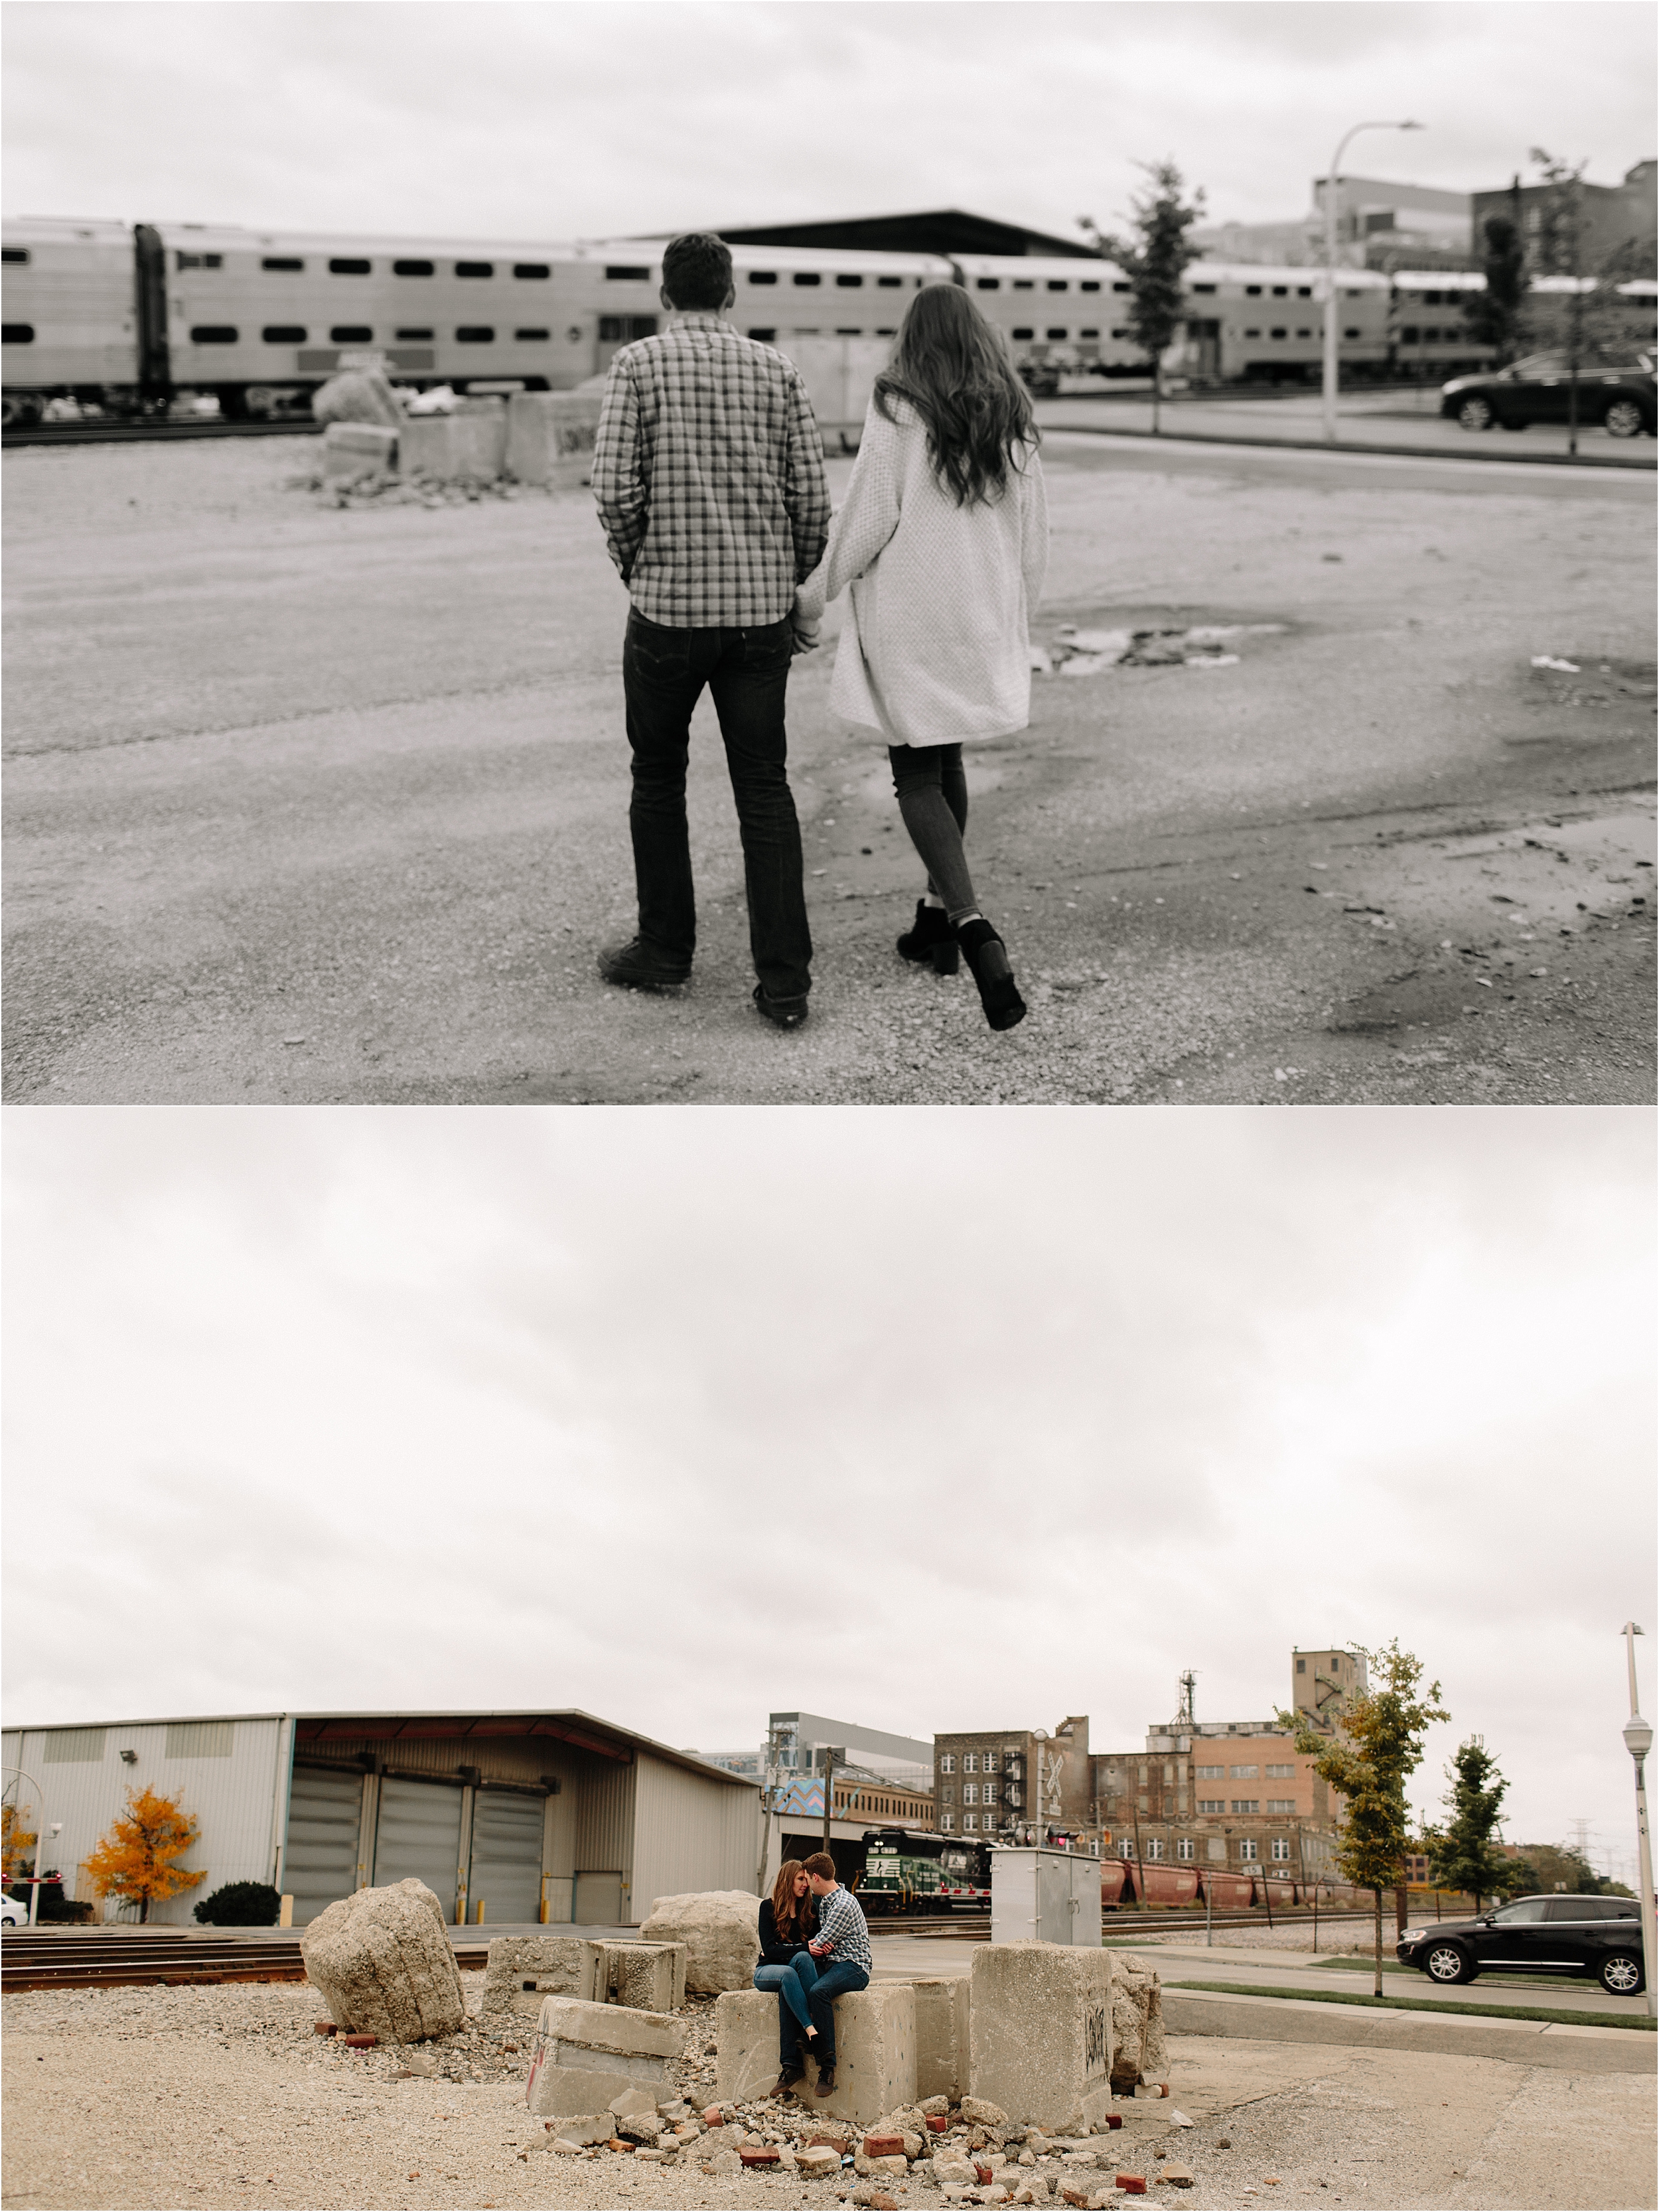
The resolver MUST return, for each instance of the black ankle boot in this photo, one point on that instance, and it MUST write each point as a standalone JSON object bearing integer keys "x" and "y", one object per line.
{"x": 987, "y": 956}
{"x": 930, "y": 939}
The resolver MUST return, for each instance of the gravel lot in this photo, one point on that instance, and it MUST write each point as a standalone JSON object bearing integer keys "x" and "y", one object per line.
{"x": 225, "y": 2096}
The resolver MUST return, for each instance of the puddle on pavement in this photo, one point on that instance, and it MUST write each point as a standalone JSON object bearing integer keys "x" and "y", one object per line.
{"x": 1077, "y": 650}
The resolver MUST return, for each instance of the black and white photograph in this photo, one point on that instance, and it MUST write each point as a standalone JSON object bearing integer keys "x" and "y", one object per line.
{"x": 828, "y": 1092}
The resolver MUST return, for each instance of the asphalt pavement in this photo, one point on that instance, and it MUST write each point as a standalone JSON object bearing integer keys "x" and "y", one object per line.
{"x": 308, "y": 803}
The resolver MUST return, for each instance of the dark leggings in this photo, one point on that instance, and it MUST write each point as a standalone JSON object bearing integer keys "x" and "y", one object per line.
{"x": 932, "y": 795}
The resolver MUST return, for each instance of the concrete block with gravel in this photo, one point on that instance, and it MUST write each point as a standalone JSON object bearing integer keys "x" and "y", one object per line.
{"x": 1040, "y": 2033}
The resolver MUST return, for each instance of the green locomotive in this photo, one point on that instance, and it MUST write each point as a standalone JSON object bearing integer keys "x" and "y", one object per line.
{"x": 910, "y": 1870}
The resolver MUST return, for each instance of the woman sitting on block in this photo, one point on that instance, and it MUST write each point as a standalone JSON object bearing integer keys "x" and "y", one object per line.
{"x": 788, "y": 1922}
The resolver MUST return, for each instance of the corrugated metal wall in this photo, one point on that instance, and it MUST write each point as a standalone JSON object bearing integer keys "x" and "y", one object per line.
{"x": 690, "y": 1834}
{"x": 604, "y": 1836}
{"x": 229, "y": 1792}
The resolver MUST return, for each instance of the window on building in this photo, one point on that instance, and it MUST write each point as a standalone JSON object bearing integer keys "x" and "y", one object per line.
{"x": 1281, "y": 1804}
{"x": 1410, "y": 335}
{"x": 529, "y": 269}
{"x": 991, "y": 1761}
{"x": 1247, "y": 1848}
{"x": 947, "y": 1795}
{"x": 1246, "y": 1805}
{"x": 413, "y": 268}
{"x": 989, "y": 1793}
{"x": 970, "y": 1823}
{"x": 947, "y": 1762}
{"x": 1245, "y": 1773}
{"x": 947, "y": 1821}
{"x": 1183, "y": 1847}
{"x": 970, "y": 1762}
{"x": 1155, "y": 1847}
{"x": 1209, "y": 1773}
{"x": 283, "y": 334}
{"x": 1281, "y": 1849}
{"x": 1211, "y": 1804}
{"x": 971, "y": 1793}
{"x": 1125, "y": 1849}
{"x": 346, "y": 265}
{"x": 288, "y": 263}
{"x": 1301, "y": 1666}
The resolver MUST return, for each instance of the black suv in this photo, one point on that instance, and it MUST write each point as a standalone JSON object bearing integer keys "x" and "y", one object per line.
{"x": 1599, "y": 1935}
{"x": 1620, "y": 396}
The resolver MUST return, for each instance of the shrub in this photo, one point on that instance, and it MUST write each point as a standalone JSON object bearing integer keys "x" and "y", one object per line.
{"x": 241, "y": 1905}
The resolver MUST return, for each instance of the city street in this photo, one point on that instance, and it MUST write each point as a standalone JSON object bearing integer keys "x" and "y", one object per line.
{"x": 311, "y": 805}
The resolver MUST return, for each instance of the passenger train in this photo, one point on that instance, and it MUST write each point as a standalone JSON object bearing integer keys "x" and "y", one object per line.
{"x": 134, "y": 321}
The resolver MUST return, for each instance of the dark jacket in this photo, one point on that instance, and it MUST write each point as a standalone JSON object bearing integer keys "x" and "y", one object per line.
{"x": 774, "y": 1952}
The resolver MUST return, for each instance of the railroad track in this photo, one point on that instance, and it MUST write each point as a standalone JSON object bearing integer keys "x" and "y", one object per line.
{"x": 107, "y": 1962}
{"x": 127, "y": 434}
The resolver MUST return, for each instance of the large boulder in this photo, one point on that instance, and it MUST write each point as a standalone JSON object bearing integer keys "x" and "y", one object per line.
{"x": 382, "y": 1962}
{"x": 720, "y": 1930}
{"x": 1138, "y": 2051}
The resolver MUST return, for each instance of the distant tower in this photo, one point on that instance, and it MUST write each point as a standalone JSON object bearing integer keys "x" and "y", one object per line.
{"x": 1184, "y": 1719}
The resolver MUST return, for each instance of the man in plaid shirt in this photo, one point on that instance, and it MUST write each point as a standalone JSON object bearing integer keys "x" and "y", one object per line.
{"x": 709, "y": 473}
{"x": 841, "y": 1949}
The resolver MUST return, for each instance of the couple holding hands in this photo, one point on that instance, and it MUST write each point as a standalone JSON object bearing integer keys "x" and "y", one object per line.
{"x": 815, "y": 1946}
{"x": 708, "y": 474}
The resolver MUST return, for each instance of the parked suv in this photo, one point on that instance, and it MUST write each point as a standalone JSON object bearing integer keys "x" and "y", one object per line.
{"x": 1598, "y": 1936}
{"x": 1618, "y": 395}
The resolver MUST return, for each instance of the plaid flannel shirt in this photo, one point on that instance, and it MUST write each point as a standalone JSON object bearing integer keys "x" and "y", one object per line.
{"x": 843, "y": 1925}
{"x": 708, "y": 475}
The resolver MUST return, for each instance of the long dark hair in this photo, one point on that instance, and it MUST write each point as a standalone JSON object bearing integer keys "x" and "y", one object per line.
{"x": 950, "y": 366}
{"x": 788, "y": 1911}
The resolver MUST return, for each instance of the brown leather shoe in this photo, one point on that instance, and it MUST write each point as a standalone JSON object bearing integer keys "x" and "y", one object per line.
{"x": 787, "y": 2078}
{"x": 826, "y": 2080}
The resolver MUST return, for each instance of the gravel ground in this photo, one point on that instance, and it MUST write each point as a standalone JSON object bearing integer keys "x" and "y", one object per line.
{"x": 225, "y": 2096}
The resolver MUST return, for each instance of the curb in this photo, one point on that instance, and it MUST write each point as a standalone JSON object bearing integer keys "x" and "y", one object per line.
{"x": 1454, "y": 2035}
{"x": 1350, "y": 452}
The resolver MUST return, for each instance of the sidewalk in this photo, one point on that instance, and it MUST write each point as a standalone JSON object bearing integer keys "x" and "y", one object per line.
{"x": 1520, "y": 2042}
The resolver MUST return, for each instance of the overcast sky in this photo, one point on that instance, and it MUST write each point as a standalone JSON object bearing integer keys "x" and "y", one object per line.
{"x": 928, "y": 1420}
{"x": 569, "y": 120}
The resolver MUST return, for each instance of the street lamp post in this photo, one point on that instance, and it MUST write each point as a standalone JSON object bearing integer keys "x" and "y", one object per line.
{"x": 1331, "y": 316}
{"x": 1639, "y": 1742}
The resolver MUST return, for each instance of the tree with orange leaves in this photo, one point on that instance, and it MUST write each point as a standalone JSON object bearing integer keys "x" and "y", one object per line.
{"x": 137, "y": 1858}
{"x": 15, "y": 1840}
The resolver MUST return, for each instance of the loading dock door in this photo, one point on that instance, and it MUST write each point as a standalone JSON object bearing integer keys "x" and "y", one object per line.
{"x": 419, "y": 1834}
{"x": 507, "y": 1856}
{"x": 599, "y": 1901}
{"x": 325, "y": 1807}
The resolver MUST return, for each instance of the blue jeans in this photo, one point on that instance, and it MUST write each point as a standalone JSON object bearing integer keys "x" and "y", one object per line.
{"x": 793, "y": 1984}
{"x": 832, "y": 1982}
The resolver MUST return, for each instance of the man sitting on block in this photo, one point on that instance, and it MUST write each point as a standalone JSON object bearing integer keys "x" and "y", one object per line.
{"x": 841, "y": 1948}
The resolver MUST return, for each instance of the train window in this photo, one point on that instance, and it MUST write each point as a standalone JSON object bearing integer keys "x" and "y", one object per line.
{"x": 1024, "y": 284}
{"x": 1120, "y": 287}
{"x": 475, "y": 334}
{"x": 351, "y": 334}
{"x": 1281, "y": 291}
{"x": 283, "y": 334}
{"x": 1052, "y": 333}
{"x": 849, "y": 283}
{"x": 475, "y": 268}
{"x": 890, "y": 283}
{"x": 413, "y": 268}
{"x": 288, "y": 264}
{"x": 17, "y": 334}
{"x": 12, "y": 255}
{"x": 1304, "y": 291}
{"x": 1279, "y": 334}
{"x": 1058, "y": 284}
{"x": 1122, "y": 333}
{"x": 531, "y": 338}
{"x": 1350, "y": 334}
{"x": 762, "y": 276}
{"x": 200, "y": 260}
{"x": 988, "y": 283}
{"x": 1204, "y": 288}
{"x": 627, "y": 272}
{"x": 416, "y": 337}
{"x": 1248, "y": 334}
{"x": 1409, "y": 335}
{"x": 885, "y": 331}
{"x": 1304, "y": 334}
{"x": 1088, "y": 284}
{"x": 846, "y": 330}
{"x": 806, "y": 276}
{"x": 528, "y": 269}
{"x": 213, "y": 334}
{"x": 348, "y": 265}
{"x": 1253, "y": 291}
{"x": 1088, "y": 334}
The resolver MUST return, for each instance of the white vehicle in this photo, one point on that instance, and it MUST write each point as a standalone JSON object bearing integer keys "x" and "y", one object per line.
{"x": 12, "y": 1914}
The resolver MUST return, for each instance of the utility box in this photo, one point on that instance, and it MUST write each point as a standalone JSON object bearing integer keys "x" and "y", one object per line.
{"x": 1044, "y": 1896}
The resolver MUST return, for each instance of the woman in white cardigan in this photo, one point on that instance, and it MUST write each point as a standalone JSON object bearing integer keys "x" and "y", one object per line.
{"x": 944, "y": 539}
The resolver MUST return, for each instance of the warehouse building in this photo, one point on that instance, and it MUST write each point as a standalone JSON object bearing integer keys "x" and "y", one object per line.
{"x": 507, "y": 1816}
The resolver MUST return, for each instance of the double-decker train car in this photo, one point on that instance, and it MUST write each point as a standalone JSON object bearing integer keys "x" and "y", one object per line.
{"x": 913, "y": 1871}
{"x": 129, "y": 320}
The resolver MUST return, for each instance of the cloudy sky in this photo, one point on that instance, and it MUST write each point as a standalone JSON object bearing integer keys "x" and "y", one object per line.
{"x": 571, "y": 119}
{"x": 931, "y": 1420}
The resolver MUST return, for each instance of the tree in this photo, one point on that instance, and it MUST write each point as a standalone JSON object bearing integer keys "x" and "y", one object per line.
{"x": 138, "y": 1858}
{"x": 16, "y": 1843}
{"x": 1155, "y": 260}
{"x": 1379, "y": 1745}
{"x": 1465, "y": 1854}
{"x": 1493, "y": 317}
{"x": 1558, "y": 1865}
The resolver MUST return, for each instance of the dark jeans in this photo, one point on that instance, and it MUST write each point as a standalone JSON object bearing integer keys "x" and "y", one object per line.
{"x": 792, "y": 1983}
{"x": 664, "y": 672}
{"x": 932, "y": 786}
{"x": 832, "y": 1982}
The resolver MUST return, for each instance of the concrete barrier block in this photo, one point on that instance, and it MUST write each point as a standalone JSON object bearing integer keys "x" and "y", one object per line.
{"x": 523, "y": 1970}
{"x": 555, "y": 2091}
{"x": 746, "y": 2036}
{"x": 875, "y": 2054}
{"x": 550, "y": 437}
{"x": 586, "y": 2056}
{"x": 471, "y": 442}
{"x": 615, "y": 2029}
{"x": 645, "y": 1977}
{"x": 351, "y": 450}
{"x": 1040, "y": 2031}
{"x": 941, "y": 2037}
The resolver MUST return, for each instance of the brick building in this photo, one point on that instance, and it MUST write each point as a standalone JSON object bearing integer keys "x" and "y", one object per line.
{"x": 1614, "y": 216}
{"x": 1014, "y": 1785}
